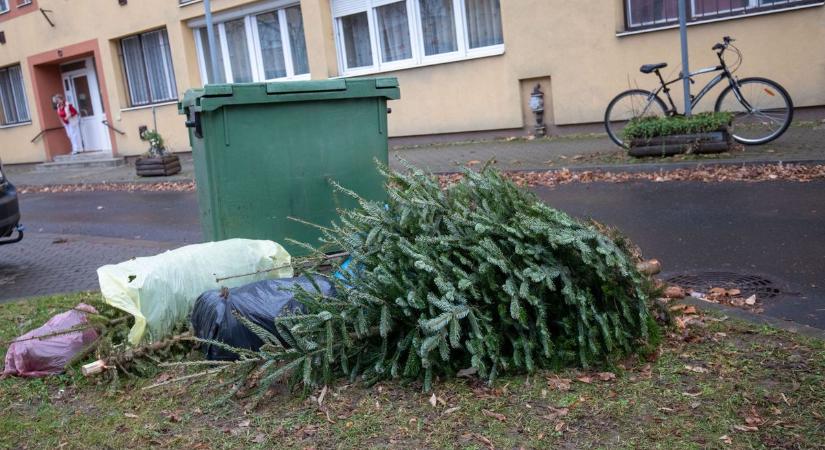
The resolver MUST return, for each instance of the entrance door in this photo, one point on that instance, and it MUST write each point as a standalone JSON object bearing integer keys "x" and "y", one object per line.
{"x": 81, "y": 90}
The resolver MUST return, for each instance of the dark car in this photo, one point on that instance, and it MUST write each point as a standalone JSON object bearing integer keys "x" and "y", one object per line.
{"x": 9, "y": 212}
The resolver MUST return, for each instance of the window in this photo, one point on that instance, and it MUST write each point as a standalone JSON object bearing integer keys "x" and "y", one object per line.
{"x": 4, "y": 6}
{"x": 653, "y": 13}
{"x": 382, "y": 35}
{"x": 148, "y": 64}
{"x": 24, "y": 2}
{"x": 12, "y": 97}
{"x": 263, "y": 46}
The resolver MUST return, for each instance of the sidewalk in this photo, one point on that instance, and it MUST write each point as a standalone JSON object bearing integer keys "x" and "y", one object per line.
{"x": 804, "y": 141}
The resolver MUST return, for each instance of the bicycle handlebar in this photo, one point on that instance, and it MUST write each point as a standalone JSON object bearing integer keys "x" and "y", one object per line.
{"x": 719, "y": 46}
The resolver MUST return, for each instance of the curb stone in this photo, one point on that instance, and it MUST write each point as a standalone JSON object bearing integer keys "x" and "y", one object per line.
{"x": 759, "y": 319}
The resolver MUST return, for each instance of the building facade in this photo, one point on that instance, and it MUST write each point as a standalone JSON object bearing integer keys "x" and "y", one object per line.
{"x": 463, "y": 65}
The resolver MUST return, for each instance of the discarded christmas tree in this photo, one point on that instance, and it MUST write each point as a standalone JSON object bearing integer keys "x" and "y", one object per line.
{"x": 479, "y": 275}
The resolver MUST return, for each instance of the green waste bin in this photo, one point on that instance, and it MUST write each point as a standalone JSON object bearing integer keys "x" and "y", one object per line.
{"x": 265, "y": 152}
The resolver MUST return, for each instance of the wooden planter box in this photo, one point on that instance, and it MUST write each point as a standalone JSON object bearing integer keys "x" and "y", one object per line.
{"x": 157, "y": 167}
{"x": 713, "y": 142}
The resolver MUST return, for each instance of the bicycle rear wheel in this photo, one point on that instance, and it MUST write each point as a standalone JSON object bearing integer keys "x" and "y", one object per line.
{"x": 763, "y": 113}
{"x": 632, "y": 104}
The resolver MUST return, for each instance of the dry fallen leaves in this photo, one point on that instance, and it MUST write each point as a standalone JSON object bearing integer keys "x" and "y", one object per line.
{"x": 730, "y": 297}
{"x": 555, "y": 413}
{"x": 560, "y": 384}
{"x": 495, "y": 415}
{"x": 165, "y": 186}
{"x": 450, "y": 410}
{"x": 753, "y": 418}
{"x": 476, "y": 436}
{"x": 674, "y": 292}
{"x": 707, "y": 174}
{"x": 322, "y": 395}
{"x": 697, "y": 369}
{"x": 606, "y": 376}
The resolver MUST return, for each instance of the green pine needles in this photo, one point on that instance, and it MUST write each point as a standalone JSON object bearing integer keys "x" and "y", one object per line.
{"x": 480, "y": 275}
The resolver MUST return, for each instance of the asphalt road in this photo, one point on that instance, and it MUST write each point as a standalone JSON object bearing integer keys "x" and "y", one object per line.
{"x": 774, "y": 229}
{"x": 156, "y": 216}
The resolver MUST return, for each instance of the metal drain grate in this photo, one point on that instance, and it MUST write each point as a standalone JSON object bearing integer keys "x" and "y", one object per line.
{"x": 762, "y": 287}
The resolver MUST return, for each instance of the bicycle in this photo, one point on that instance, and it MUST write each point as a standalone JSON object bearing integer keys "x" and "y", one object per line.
{"x": 762, "y": 108}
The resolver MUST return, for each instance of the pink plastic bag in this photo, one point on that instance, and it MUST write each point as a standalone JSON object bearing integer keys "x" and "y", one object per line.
{"x": 29, "y": 357}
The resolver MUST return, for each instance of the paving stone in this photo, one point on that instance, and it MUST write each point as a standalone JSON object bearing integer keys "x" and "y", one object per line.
{"x": 44, "y": 263}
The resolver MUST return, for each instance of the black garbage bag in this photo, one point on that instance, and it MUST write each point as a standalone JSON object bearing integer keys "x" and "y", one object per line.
{"x": 259, "y": 302}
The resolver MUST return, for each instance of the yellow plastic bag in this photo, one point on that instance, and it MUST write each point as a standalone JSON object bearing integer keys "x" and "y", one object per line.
{"x": 160, "y": 291}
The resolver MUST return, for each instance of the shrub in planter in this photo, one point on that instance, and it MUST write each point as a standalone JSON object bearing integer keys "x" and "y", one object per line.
{"x": 157, "y": 161}
{"x": 662, "y": 136}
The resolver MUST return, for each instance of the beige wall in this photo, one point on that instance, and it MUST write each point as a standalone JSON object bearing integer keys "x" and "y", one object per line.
{"x": 574, "y": 43}
{"x": 107, "y": 22}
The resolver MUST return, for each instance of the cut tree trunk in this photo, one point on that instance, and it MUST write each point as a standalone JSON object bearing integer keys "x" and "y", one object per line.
{"x": 130, "y": 354}
{"x": 711, "y": 142}
{"x": 154, "y": 167}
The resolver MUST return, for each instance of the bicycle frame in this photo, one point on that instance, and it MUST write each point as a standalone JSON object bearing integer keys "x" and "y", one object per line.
{"x": 755, "y": 123}
{"x": 695, "y": 99}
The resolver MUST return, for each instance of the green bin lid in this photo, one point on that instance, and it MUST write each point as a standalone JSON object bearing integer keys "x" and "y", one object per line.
{"x": 214, "y": 96}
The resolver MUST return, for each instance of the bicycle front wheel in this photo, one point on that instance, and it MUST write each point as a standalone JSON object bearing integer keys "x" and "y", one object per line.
{"x": 762, "y": 111}
{"x": 632, "y": 104}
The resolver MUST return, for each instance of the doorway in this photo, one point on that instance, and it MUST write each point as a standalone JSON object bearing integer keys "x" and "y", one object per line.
{"x": 81, "y": 89}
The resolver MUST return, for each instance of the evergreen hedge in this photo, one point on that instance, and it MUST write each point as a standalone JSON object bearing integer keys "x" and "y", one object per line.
{"x": 650, "y": 127}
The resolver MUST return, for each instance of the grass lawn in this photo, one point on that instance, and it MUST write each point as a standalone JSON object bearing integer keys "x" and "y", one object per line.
{"x": 723, "y": 384}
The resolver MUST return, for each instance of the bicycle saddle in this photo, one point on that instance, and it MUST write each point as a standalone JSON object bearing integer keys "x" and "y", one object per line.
{"x": 647, "y": 68}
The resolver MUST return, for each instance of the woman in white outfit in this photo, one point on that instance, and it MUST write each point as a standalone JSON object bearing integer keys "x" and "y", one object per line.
{"x": 68, "y": 117}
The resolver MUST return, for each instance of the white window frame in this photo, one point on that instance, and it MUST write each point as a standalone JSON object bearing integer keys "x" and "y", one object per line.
{"x": 751, "y": 4}
{"x": 779, "y": 5}
{"x": 167, "y": 62}
{"x": 419, "y": 58}
{"x": 7, "y": 8}
{"x": 665, "y": 21}
{"x": 22, "y": 89}
{"x": 249, "y": 16}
